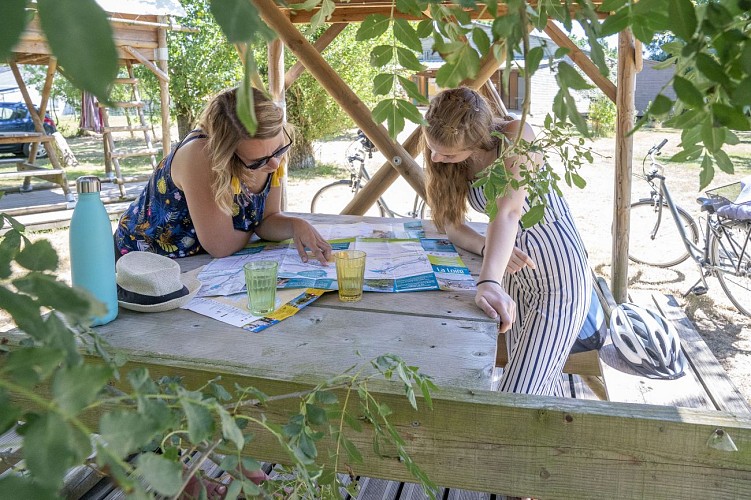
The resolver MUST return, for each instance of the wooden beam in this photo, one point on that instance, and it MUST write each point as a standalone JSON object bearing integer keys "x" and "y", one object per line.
{"x": 145, "y": 61}
{"x": 581, "y": 59}
{"x": 384, "y": 177}
{"x": 336, "y": 87}
{"x": 275, "y": 52}
{"x": 320, "y": 45}
{"x": 162, "y": 59}
{"x": 518, "y": 444}
{"x": 624, "y": 144}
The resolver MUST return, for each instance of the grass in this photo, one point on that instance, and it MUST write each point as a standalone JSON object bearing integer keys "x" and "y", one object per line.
{"x": 320, "y": 170}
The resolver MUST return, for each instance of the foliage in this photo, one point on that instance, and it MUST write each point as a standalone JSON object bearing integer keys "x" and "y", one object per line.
{"x": 602, "y": 116}
{"x": 49, "y": 390}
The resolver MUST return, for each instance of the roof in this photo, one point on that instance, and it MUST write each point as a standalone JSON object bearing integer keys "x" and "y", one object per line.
{"x": 143, "y": 7}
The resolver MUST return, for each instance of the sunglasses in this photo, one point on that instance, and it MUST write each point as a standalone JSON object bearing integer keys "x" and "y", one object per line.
{"x": 261, "y": 162}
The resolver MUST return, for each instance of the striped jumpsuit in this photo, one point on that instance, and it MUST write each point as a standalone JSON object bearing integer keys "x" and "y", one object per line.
{"x": 552, "y": 301}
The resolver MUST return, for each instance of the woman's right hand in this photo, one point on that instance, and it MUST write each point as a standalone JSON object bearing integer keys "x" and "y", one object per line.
{"x": 496, "y": 303}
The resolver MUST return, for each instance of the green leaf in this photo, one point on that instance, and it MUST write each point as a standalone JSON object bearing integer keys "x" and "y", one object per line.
{"x": 372, "y": 26}
{"x": 163, "y": 475}
{"x": 77, "y": 386}
{"x": 316, "y": 414}
{"x": 683, "y": 18}
{"x": 230, "y": 430}
{"x": 239, "y": 20}
{"x": 323, "y": 14}
{"x": 746, "y": 56}
{"x": 381, "y": 55}
{"x": 687, "y": 92}
{"x": 641, "y": 29}
{"x": 713, "y": 137}
{"x": 51, "y": 447}
{"x": 707, "y": 173}
{"x": 58, "y": 295}
{"x": 246, "y": 110}
{"x": 126, "y": 431}
{"x": 711, "y": 68}
{"x": 578, "y": 180}
{"x": 8, "y": 413}
{"x": 326, "y": 397}
{"x": 39, "y": 256}
{"x": 570, "y": 78}
{"x": 308, "y": 446}
{"x": 24, "y": 310}
{"x": 533, "y": 216}
{"x": 10, "y": 245}
{"x": 80, "y": 36}
{"x": 409, "y": 7}
{"x": 200, "y": 422}
{"x": 352, "y": 451}
{"x": 31, "y": 365}
{"x": 408, "y": 60}
{"x": 687, "y": 119}
{"x": 611, "y": 5}
{"x": 14, "y": 22}
{"x": 383, "y": 83}
{"x": 425, "y": 28}
{"x": 18, "y": 487}
{"x": 405, "y": 33}
{"x": 742, "y": 93}
{"x": 388, "y": 110}
{"x": 731, "y": 117}
{"x": 724, "y": 162}
{"x": 482, "y": 41}
{"x": 534, "y": 56}
{"x": 409, "y": 111}
{"x": 412, "y": 91}
{"x": 660, "y": 106}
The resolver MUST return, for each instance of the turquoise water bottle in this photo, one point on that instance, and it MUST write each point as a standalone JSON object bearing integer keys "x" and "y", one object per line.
{"x": 92, "y": 249}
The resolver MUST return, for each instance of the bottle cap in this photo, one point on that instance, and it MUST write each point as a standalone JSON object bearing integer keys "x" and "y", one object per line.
{"x": 88, "y": 184}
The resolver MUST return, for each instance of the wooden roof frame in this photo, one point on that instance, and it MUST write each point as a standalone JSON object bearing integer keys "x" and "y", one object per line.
{"x": 139, "y": 39}
{"x": 400, "y": 156}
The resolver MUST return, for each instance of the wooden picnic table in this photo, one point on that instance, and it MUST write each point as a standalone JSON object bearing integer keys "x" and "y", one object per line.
{"x": 444, "y": 333}
{"x": 473, "y": 438}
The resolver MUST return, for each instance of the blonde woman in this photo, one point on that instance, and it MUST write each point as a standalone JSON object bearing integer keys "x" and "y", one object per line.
{"x": 536, "y": 281}
{"x": 217, "y": 188}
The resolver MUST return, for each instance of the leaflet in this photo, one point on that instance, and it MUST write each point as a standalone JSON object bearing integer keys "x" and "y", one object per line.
{"x": 233, "y": 309}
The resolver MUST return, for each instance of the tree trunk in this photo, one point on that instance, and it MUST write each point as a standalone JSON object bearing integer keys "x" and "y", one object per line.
{"x": 301, "y": 155}
{"x": 184, "y": 124}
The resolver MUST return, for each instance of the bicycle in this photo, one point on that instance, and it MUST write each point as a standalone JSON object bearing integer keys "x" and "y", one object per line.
{"x": 664, "y": 238}
{"x": 332, "y": 198}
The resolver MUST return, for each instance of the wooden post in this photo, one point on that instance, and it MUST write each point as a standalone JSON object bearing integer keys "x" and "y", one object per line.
{"x": 384, "y": 177}
{"x": 399, "y": 158}
{"x": 275, "y": 50}
{"x": 623, "y": 156}
{"x": 581, "y": 60}
{"x": 162, "y": 58}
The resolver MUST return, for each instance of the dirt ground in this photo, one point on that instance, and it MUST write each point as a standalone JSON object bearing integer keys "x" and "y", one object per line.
{"x": 727, "y": 332}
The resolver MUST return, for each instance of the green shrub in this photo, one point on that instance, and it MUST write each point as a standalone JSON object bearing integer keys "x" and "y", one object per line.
{"x": 602, "y": 117}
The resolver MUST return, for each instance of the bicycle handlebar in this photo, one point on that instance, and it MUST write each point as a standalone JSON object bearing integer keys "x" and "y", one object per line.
{"x": 656, "y": 149}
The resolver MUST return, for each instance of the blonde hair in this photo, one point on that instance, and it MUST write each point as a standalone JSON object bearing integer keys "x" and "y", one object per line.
{"x": 459, "y": 119}
{"x": 224, "y": 130}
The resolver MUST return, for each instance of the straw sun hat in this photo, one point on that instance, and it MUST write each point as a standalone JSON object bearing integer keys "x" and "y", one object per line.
{"x": 147, "y": 282}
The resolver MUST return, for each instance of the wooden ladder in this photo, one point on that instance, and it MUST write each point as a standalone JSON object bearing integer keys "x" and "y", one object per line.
{"x": 111, "y": 154}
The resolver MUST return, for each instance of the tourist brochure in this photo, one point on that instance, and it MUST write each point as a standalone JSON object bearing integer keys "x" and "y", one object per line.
{"x": 233, "y": 309}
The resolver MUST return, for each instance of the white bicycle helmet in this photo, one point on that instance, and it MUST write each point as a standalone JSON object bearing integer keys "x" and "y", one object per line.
{"x": 647, "y": 342}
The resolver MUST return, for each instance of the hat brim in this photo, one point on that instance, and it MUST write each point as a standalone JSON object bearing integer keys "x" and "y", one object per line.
{"x": 190, "y": 282}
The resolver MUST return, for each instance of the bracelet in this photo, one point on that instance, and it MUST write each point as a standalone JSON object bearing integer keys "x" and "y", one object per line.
{"x": 482, "y": 251}
{"x": 489, "y": 281}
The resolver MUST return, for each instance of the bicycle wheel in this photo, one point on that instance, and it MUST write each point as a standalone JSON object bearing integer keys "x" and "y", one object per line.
{"x": 728, "y": 250}
{"x": 333, "y": 198}
{"x": 665, "y": 247}
{"x": 423, "y": 209}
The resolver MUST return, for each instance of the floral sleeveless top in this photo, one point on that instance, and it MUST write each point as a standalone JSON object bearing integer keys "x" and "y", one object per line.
{"x": 159, "y": 221}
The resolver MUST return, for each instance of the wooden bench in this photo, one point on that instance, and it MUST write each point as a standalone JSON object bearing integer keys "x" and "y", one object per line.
{"x": 27, "y": 169}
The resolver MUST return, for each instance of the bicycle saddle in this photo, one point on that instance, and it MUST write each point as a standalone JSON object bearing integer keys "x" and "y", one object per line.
{"x": 710, "y": 204}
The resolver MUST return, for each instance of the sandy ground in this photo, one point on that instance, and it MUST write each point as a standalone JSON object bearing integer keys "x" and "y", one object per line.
{"x": 727, "y": 332}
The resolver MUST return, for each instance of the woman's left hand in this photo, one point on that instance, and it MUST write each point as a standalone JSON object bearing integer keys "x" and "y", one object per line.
{"x": 305, "y": 235}
{"x": 496, "y": 303}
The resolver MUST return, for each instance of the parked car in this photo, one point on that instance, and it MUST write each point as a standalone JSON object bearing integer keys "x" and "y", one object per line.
{"x": 15, "y": 117}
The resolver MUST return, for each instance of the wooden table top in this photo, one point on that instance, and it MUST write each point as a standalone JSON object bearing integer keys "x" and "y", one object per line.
{"x": 444, "y": 333}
